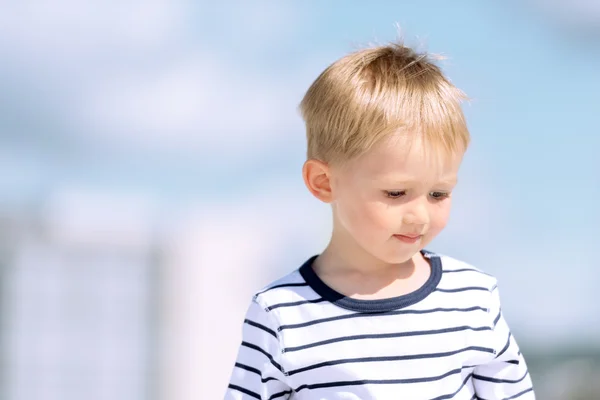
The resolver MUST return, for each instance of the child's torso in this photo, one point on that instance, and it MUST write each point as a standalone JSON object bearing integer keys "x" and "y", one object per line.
{"x": 427, "y": 350}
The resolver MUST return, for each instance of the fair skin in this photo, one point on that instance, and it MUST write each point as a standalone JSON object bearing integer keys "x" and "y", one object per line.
{"x": 387, "y": 204}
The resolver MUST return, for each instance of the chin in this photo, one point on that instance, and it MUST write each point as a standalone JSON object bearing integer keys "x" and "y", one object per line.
{"x": 399, "y": 257}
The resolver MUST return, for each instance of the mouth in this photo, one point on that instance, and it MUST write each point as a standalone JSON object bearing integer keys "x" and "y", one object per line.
{"x": 409, "y": 238}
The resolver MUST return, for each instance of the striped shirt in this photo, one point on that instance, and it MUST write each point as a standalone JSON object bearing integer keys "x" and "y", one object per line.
{"x": 447, "y": 340}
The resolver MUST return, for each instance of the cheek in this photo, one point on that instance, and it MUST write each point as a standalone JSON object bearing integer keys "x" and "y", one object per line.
{"x": 381, "y": 217}
{"x": 363, "y": 217}
{"x": 439, "y": 216}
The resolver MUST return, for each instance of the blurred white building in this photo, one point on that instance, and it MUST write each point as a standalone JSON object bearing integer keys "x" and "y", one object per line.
{"x": 77, "y": 291}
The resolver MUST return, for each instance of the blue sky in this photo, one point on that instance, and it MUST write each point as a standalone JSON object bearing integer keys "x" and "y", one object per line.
{"x": 193, "y": 106}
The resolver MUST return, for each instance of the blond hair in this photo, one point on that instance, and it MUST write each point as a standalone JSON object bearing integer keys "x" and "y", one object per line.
{"x": 371, "y": 93}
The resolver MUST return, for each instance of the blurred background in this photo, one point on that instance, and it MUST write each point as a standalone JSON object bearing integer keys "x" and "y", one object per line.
{"x": 150, "y": 156}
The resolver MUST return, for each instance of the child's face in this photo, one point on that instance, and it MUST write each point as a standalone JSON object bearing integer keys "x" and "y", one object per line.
{"x": 395, "y": 199}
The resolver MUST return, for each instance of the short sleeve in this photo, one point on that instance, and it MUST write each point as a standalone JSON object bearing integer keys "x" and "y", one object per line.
{"x": 257, "y": 373}
{"x": 506, "y": 376}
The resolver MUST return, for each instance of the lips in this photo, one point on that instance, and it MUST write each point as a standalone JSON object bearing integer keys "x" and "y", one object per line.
{"x": 408, "y": 238}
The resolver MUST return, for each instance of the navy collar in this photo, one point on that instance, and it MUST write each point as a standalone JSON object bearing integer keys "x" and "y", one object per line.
{"x": 379, "y": 305}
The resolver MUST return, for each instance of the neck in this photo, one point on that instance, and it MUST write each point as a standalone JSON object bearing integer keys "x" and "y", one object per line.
{"x": 343, "y": 254}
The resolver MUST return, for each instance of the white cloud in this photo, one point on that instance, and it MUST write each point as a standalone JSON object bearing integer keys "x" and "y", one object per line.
{"x": 158, "y": 75}
{"x": 195, "y": 102}
{"x": 85, "y": 28}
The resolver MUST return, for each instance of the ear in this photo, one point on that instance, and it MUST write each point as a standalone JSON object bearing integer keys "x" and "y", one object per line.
{"x": 316, "y": 176}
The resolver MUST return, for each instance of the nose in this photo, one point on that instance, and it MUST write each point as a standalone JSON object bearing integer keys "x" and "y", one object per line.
{"x": 417, "y": 213}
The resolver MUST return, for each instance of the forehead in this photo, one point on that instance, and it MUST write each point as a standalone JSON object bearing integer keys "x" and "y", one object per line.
{"x": 401, "y": 156}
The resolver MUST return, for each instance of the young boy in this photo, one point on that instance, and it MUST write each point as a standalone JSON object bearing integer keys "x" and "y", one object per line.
{"x": 375, "y": 315}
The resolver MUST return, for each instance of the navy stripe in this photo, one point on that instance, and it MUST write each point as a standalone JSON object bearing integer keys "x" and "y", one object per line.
{"x": 297, "y": 284}
{"x": 464, "y": 289}
{"x": 377, "y": 381}
{"x": 276, "y": 395}
{"x": 388, "y": 358}
{"x": 516, "y": 362}
{"x": 451, "y": 395}
{"x": 247, "y": 368}
{"x": 497, "y": 317}
{"x": 270, "y": 357}
{"x": 295, "y": 303}
{"x": 506, "y": 345}
{"x": 259, "y": 326}
{"x": 447, "y": 271}
{"x": 245, "y": 391}
{"x": 256, "y": 371}
{"x": 376, "y": 314}
{"x": 496, "y": 380}
{"x": 385, "y": 335}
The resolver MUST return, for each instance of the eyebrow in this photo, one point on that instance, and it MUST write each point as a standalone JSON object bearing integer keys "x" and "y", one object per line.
{"x": 450, "y": 181}
{"x": 405, "y": 180}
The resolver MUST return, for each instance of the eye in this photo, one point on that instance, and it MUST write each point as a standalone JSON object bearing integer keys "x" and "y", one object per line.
{"x": 439, "y": 195}
{"x": 394, "y": 194}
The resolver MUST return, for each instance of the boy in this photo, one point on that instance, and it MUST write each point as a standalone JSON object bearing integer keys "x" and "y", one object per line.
{"x": 375, "y": 315}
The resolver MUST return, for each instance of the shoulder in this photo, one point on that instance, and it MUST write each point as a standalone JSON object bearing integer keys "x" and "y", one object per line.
{"x": 458, "y": 271}
{"x": 464, "y": 282}
{"x": 288, "y": 288}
